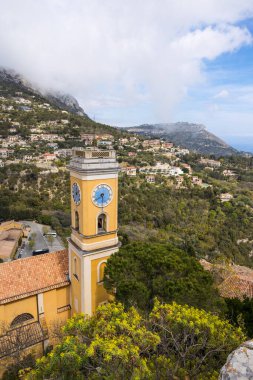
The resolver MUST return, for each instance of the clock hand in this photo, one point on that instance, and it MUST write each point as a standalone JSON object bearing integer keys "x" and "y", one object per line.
{"x": 102, "y": 196}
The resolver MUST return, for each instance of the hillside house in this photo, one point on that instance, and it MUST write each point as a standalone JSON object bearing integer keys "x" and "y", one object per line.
{"x": 167, "y": 145}
{"x": 228, "y": 173}
{"x": 209, "y": 162}
{"x": 181, "y": 151}
{"x": 175, "y": 171}
{"x": 196, "y": 181}
{"x": 226, "y": 197}
{"x": 105, "y": 136}
{"x": 64, "y": 152}
{"x": 156, "y": 143}
{"x": 132, "y": 154}
{"x": 87, "y": 138}
{"x": 150, "y": 178}
{"x": 129, "y": 170}
{"x": 104, "y": 143}
{"x": 123, "y": 140}
{"x": 49, "y": 156}
{"x": 4, "y": 153}
{"x": 13, "y": 138}
{"x": 179, "y": 182}
{"x": 28, "y": 157}
{"x": 52, "y": 145}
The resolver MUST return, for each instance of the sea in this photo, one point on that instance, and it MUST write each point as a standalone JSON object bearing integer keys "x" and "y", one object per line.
{"x": 241, "y": 143}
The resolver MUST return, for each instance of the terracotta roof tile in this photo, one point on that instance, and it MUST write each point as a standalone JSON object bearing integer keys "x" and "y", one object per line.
{"x": 31, "y": 275}
{"x": 236, "y": 287}
{"x": 236, "y": 280}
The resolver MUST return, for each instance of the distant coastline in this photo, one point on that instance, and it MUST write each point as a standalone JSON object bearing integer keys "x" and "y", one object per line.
{"x": 243, "y": 147}
{"x": 242, "y": 143}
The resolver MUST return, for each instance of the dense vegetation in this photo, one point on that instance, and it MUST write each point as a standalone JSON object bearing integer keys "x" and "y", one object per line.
{"x": 140, "y": 272}
{"x": 240, "y": 313}
{"x": 193, "y": 219}
{"x": 118, "y": 344}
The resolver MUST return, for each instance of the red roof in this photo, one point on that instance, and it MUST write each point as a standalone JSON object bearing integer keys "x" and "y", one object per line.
{"x": 236, "y": 287}
{"x": 32, "y": 275}
{"x": 236, "y": 280}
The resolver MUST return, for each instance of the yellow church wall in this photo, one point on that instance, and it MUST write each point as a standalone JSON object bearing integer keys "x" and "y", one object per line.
{"x": 97, "y": 238}
{"x": 11, "y": 310}
{"x": 62, "y": 295}
{"x": 75, "y": 283}
{"x": 53, "y": 300}
{"x": 88, "y": 222}
{"x": 99, "y": 294}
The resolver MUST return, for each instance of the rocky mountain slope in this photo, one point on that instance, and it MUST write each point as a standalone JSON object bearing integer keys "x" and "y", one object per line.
{"x": 58, "y": 99}
{"x": 192, "y": 136}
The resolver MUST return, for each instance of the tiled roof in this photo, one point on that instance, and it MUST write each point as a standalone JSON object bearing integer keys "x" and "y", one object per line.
{"x": 28, "y": 276}
{"x": 236, "y": 287}
{"x": 235, "y": 281}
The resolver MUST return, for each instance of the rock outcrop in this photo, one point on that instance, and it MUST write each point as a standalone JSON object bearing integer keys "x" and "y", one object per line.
{"x": 239, "y": 365}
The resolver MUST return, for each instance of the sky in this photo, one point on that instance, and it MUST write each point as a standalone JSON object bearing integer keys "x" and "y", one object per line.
{"x": 139, "y": 61}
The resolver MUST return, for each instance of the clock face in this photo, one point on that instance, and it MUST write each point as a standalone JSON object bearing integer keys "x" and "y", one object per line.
{"x": 102, "y": 195}
{"x": 76, "y": 193}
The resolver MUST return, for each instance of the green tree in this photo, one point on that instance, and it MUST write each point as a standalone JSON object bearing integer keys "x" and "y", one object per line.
{"x": 240, "y": 312}
{"x": 172, "y": 343}
{"x": 195, "y": 341}
{"x": 142, "y": 271}
{"x": 110, "y": 345}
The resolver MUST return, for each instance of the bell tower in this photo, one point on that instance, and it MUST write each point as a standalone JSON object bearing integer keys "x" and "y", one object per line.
{"x": 94, "y": 224}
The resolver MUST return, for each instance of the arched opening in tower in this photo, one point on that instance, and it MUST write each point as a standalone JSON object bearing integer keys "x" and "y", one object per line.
{"x": 76, "y": 221}
{"x": 101, "y": 223}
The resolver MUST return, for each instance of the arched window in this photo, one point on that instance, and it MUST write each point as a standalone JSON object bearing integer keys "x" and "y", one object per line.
{"x": 21, "y": 319}
{"x": 101, "y": 223}
{"x": 76, "y": 221}
{"x": 101, "y": 271}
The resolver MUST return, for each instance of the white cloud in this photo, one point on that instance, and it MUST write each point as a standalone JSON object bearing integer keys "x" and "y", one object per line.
{"x": 120, "y": 53}
{"x": 222, "y": 94}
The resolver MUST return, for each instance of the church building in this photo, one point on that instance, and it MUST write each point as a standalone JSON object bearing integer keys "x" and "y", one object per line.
{"x": 37, "y": 292}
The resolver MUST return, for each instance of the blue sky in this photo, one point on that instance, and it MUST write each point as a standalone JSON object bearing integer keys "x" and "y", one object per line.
{"x": 224, "y": 102}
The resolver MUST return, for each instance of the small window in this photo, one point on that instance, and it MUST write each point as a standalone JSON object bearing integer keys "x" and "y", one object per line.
{"x": 76, "y": 221}
{"x": 75, "y": 268}
{"x": 21, "y": 319}
{"x": 101, "y": 271}
{"x": 102, "y": 223}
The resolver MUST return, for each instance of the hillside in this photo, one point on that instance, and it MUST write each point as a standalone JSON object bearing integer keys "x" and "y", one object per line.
{"x": 165, "y": 193}
{"x": 194, "y": 137}
{"x": 27, "y": 109}
{"x": 12, "y": 80}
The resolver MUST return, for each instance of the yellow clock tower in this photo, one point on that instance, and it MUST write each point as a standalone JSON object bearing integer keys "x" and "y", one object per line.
{"x": 94, "y": 213}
